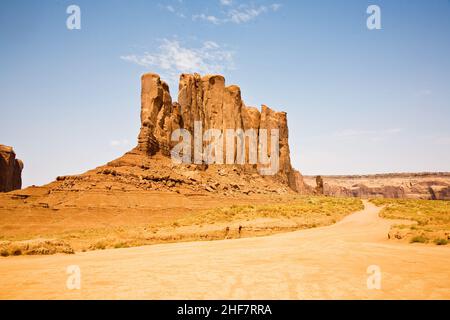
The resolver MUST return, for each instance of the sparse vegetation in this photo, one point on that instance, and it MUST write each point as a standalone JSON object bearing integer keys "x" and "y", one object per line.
{"x": 419, "y": 239}
{"x": 441, "y": 242}
{"x": 431, "y": 219}
{"x": 243, "y": 220}
{"x": 33, "y": 247}
{"x": 100, "y": 245}
{"x": 224, "y": 222}
{"x": 307, "y": 211}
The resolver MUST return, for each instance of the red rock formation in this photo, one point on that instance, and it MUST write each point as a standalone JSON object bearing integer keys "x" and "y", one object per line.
{"x": 10, "y": 170}
{"x": 159, "y": 117}
{"x": 207, "y": 100}
{"x": 428, "y": 185}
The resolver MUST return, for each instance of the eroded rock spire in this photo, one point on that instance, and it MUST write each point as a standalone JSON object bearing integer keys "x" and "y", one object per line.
{"x": 216, "y": 106}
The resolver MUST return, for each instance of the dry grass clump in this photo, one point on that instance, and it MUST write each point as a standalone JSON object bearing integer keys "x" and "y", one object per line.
{"x": 419, "y": 239}
{"x": 34, "y": 247}
{"x": 311, "y": 211}
{"x": 228, "y": 222}
{"x": 431, "y": 217}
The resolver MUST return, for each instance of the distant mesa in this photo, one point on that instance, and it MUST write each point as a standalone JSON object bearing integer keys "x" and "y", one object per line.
{"x": 10, "y": 170}
{"x": 426, "y": 185}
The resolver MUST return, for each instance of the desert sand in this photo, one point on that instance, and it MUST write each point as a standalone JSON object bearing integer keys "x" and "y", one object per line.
{"x": 322, "y": 263}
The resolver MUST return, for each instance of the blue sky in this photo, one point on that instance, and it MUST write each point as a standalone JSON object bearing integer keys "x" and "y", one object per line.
{"x": 358, "y": 100}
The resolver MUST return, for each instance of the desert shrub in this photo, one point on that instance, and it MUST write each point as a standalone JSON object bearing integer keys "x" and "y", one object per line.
{"x": 441, "y": 242}
{"x": 432, "y": 217}
{"x": 16, "y": 252}
{"x": 99, "y": 245}
{"x": 419, "y": 239}
{"x": 121, "y": 245}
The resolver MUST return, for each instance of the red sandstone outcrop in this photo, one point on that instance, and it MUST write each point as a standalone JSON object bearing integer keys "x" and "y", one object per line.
{"x": 158, "y": 116}
{"x": 216, "y": 106}
{"x": 432, "y": 186}
{"x": 10, "y": 170}
{"x": 149, "y": 167}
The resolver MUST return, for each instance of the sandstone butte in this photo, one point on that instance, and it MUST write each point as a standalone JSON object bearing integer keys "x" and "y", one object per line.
{"x": 217, "y": 106}
{"x": 10, "y": 170}
{"x": 149, "y": 167}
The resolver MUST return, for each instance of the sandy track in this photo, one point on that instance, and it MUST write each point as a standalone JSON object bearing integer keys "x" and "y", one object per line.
{"x": 325, "y": 263}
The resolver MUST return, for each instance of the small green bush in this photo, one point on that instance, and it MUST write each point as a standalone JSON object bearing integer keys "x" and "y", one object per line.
{"x": 441, "y": 242}
{"x": 419, "y": 239}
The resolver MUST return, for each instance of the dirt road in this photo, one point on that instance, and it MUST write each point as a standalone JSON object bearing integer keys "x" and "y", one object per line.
{"x": 322, "y": 263}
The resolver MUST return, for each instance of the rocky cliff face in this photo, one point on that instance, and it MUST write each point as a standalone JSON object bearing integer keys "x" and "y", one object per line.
{"x": 149, "y": 166}
{"x": 216, "y": 106}
{"x": 431, "y": 186}
{"x": 10, "y": 170}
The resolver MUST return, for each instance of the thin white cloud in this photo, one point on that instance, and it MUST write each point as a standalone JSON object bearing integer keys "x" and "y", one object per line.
{"x": 172, "y": 58}
{"x": 424, "y": 92}
{"x": 393, "y": 130}
{"x": 209, "y": 18}
{"x": 119, "y": 143}
{"x": 246, "y": 14}
{"x": 275, "y": 6}
{"x": 174, "y": 9}
{"x": 226, "y": 2}
{"x": 237, "y": 14}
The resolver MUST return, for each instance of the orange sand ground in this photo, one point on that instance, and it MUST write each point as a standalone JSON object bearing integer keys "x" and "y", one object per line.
{"x": 322, "y": 263}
